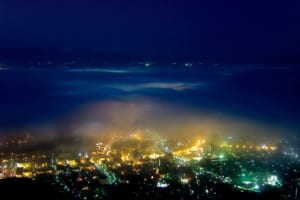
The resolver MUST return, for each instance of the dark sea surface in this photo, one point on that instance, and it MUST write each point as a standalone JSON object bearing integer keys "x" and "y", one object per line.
{"x": 268, "y": 93}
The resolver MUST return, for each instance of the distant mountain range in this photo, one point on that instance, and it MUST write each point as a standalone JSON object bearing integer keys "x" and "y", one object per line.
{"x": 34, "y": 57}
{"x": 42, "y": 57}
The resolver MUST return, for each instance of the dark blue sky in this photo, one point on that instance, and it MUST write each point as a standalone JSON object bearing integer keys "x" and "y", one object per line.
{"x": 232, "y": 30}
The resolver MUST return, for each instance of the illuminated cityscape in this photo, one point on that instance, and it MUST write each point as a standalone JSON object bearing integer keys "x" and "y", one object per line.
{"x": 144, "y": 165}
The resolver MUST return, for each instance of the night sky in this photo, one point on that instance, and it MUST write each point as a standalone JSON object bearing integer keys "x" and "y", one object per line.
{"x": 218, "y": 30}
{"x": 253, "y": 99}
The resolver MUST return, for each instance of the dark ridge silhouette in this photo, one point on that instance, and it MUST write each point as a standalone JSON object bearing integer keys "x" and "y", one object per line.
{"x": 34, "y": 57}
{"x": 23, "y": 188}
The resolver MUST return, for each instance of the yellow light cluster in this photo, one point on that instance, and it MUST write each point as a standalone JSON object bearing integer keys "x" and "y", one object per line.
{"x": 72, "y": 163}
{"x": 198, "y": 147}
{"x": 25, "y": 165}
{"x": 257, "y": 147}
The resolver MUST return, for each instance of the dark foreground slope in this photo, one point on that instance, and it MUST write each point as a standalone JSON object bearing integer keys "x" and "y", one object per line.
{"x": 28, "y": 189}
{"x": 23, "y": 188}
